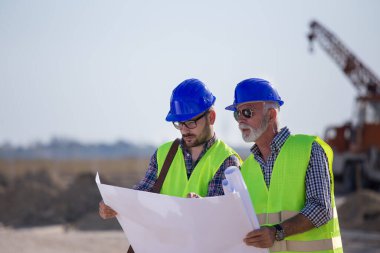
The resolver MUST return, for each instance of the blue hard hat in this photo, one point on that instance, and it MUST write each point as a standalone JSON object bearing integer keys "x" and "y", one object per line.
{"x": 254, "y": 90}
{"x": 189, "y": 98}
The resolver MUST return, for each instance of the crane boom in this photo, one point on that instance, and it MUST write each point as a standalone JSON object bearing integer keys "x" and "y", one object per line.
{"x": 364, "y": 80}
{"x": 356, "y": 143}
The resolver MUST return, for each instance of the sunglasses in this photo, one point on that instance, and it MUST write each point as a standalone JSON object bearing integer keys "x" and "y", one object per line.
{"x": 190, "y": 124}
{"x": 247, "y": 113}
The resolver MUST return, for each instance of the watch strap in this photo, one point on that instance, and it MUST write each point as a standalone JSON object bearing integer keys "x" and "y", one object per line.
{"x": 278, "y": 227}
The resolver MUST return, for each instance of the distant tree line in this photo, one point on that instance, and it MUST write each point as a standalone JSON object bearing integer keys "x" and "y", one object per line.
{"x": 70, "y": 149}
{"x": 62, "y": 148}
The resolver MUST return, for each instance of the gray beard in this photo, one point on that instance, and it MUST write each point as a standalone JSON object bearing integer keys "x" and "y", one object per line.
{"x": 254, "y": 134}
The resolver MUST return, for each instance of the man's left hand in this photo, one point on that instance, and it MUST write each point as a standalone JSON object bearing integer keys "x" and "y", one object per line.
{"x": 193, "y": 195}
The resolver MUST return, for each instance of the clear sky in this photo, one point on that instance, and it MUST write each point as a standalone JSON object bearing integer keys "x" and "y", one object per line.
{"x": 101, "y": 71}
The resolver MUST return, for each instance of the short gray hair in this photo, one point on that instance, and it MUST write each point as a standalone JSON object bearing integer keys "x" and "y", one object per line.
{"x": 272, "y": 104}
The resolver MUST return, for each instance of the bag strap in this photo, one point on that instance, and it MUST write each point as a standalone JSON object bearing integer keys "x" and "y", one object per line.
{"x": 130, "y": 250}
{"x": 165, "y": 168}
{"x": 164, "y": 171}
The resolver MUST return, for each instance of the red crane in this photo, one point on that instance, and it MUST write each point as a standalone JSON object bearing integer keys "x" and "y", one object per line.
{"x": 360, "y": 75}
{"x": 356, "y": 144}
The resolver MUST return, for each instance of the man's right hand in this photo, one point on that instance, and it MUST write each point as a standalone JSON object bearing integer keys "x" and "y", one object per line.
{"x": 263, "y": 237}
{"x": 105, "y": 211}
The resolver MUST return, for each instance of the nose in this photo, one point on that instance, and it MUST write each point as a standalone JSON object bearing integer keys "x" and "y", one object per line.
{"x": 184, "y": 129}
{"x": 240, "y": 118}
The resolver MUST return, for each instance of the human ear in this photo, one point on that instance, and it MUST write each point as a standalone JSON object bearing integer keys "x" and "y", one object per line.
{"x": 272, "y": 114}
{"x": 212, "y": 117}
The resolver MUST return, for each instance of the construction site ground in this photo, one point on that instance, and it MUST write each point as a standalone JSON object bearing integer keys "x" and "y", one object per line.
{"x": 58, "y": 240}
{"x": 39, "y": 213}
{"x": 62, "y": 239}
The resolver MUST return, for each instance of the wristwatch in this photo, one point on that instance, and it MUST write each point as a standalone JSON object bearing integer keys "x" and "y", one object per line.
{"x": 280, "y": 233}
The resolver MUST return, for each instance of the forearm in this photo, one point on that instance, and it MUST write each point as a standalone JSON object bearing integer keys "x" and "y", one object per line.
{"x": 296, "y": 225}
{"x": 264, "y": 237}
{"x": 146, "y": 184}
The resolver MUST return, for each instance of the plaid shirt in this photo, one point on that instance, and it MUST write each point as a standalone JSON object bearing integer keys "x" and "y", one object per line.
{"x": 318, "y": 202}
{"x": 215, "y": 185}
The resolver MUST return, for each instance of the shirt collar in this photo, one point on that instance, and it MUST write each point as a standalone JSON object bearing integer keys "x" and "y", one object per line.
{"x": 277, "y": 142}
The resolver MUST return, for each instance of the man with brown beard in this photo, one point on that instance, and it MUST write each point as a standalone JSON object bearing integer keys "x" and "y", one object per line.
{"x": 200, "y": 160}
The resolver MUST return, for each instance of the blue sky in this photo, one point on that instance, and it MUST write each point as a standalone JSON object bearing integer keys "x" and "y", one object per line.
{"x": 100, "y": 71}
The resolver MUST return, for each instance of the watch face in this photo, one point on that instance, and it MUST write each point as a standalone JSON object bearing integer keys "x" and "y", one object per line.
{"x": 280, "y": 235}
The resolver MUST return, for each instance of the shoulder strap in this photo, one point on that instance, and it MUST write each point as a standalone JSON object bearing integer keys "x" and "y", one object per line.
{"x": 161, "y": 178}
{"x": 165, "y": 168}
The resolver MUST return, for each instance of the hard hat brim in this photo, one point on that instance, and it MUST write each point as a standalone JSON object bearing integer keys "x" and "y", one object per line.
{"x": 231, "y": 108}
{"x": 181, "y": 118}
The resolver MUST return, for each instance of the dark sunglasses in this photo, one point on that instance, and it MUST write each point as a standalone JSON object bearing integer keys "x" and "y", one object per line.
{"x": 190, "y": 124}
{"x": 247, "y": 113}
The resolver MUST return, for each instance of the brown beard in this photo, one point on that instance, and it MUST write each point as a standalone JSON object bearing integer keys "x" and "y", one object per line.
{"x": 203, "y": 137}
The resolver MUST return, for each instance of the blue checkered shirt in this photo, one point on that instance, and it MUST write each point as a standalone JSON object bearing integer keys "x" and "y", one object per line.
{"x": 318, "y": 201}
{"x": 215, "y": 185}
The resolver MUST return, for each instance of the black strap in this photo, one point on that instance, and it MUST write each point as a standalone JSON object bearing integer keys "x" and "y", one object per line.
{"x": 164, "y": 171}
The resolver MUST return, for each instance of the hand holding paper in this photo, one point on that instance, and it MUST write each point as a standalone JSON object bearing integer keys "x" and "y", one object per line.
{"x": 234, "y": 182}
{"x": 160, "y": 223}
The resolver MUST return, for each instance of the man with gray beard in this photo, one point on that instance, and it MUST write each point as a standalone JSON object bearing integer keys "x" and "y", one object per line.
{"x": 289, "y": 177}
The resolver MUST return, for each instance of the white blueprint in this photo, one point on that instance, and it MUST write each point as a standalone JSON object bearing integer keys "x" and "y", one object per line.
{"x": 160, "y": 223}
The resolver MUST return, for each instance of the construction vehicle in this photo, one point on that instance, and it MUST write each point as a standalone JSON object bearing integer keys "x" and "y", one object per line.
{"x": 356, "y": 144}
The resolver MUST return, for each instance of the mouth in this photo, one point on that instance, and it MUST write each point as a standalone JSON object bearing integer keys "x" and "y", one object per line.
{"x": 188, "y": 137}
{"x": 244, "y": 127}
{"x": 245, "y": 130}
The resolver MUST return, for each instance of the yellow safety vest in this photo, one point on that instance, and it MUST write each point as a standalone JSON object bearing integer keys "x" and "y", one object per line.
{"x": 287, "y": 194}
{"x": 178, "y": 184}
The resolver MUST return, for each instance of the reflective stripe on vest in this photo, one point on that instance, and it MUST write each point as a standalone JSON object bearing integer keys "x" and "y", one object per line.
{"x": 332, "y": 244}
{"x": 286, "y": 195}
{"x": 178, "y": 184}
{"x": 299, "y": 246}
{"x": 275, "y": 218}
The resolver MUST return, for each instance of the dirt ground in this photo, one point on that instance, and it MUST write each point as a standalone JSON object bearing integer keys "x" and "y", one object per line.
{"x": 58, "y": 240}
{"x": 28, "y": 212}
